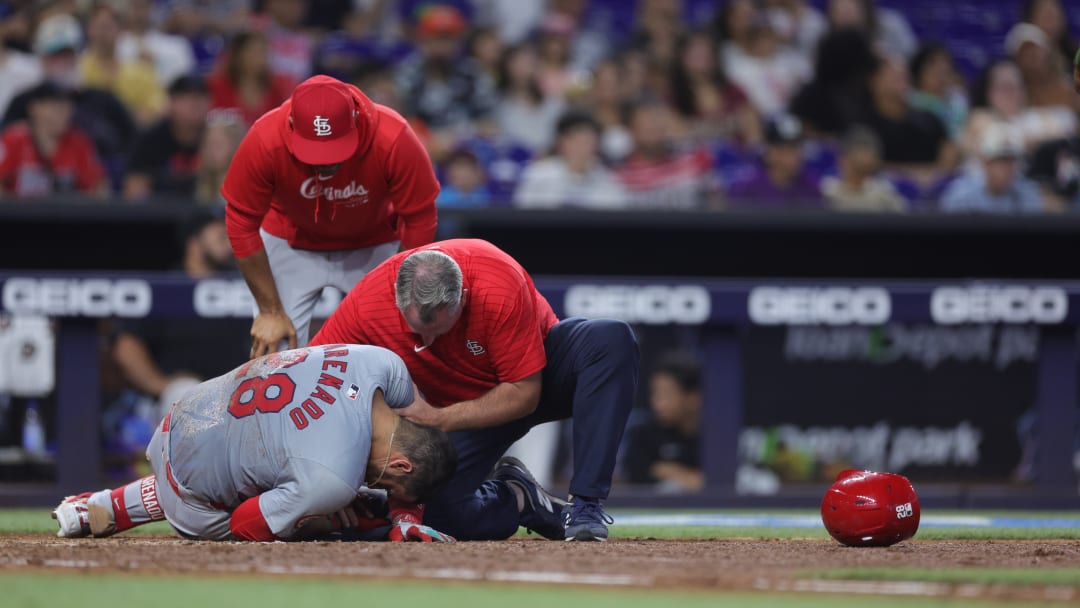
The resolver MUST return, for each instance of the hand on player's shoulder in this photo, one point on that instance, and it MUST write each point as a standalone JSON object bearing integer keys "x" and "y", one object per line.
{"x": 422, "y": 412}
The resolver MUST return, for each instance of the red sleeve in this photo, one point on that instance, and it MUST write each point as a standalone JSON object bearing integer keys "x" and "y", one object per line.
{"x": 7, "y": 157}
{"x": 90, "y": 171}
{"x": 247, "y": 522}
{"x": 248, "y": 188}
{"x": 413, "y": 189}
{"x": 517, "y": 343}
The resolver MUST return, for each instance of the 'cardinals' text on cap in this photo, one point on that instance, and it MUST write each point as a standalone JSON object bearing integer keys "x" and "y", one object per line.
{"x": 323, "y": 122}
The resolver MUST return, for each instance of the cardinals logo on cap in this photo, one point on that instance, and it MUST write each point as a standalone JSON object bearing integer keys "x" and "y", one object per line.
{"x": 330, "y": 108}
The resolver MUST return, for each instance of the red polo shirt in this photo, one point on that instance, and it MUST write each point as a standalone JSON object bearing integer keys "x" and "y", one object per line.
{"x": 385, "y": 192}
{"x": 499, "y": 338}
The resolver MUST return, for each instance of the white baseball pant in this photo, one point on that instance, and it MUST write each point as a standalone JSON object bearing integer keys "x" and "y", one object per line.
{"x": 301, "y": 275}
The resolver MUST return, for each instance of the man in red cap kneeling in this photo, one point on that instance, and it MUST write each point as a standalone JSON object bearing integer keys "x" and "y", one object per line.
{"x": 322, "y": 189}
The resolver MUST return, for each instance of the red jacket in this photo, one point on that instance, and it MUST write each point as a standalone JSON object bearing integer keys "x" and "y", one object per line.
{"x": 385, "y": 192}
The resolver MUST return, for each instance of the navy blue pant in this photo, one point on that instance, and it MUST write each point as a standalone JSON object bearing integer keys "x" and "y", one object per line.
{"x": 591, "y": 377}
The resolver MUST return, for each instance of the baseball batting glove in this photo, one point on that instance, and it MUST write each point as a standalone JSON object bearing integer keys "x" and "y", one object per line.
{"x": 406, "y": 526}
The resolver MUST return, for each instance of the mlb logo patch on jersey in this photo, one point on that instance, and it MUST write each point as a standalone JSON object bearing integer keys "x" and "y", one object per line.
{"x": 353, "y": 392}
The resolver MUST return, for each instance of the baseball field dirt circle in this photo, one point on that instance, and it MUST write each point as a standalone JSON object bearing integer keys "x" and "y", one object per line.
{"x": 708, "y": 565}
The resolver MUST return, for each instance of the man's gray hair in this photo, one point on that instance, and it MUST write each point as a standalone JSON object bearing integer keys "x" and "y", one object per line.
{"x": 429, "y": 280}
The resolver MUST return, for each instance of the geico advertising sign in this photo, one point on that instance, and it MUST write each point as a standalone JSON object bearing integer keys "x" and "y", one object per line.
{"x": 999, "y": 304}
{"x": 218, "y": 298}
{"x": 819, "y": 305}
{"x": 60, "y": 297}
{"x": 131, "y": 298}
{"x": 647, "y": 304}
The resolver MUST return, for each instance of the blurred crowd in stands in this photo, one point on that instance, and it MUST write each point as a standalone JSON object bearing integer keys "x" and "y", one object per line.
{"x": 542, "y": 104}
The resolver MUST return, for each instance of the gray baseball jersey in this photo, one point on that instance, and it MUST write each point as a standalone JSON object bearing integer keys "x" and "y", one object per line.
{"x": 293, "y": 428}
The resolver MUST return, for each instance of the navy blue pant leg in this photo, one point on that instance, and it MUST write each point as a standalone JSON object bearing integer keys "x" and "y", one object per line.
{"x": 591, "y": 376}
{"x": 470, "y": 508}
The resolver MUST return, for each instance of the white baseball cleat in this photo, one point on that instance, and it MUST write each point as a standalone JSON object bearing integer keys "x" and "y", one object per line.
{"x": 78, "y": 518}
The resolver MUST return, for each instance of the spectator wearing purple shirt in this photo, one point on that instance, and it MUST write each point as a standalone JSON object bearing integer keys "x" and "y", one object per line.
{"x": 782, "y": 181}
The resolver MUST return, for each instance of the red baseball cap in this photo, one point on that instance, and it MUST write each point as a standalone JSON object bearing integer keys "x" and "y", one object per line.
{"x": 441, "y": 20}
{"x": 323, "y": 122}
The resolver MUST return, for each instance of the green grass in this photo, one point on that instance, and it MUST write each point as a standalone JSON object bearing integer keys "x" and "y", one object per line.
{"x": 1041, "y": 514}
{"x": 23, "y": 590}
{"x": 998, "y": 534}
{"x": 38, "y": 521}
{"x": 987, "y": 576}
{"x": 765, "y": 532}
{"x": 925, "y": 533}
{"x": 676, "y": 532}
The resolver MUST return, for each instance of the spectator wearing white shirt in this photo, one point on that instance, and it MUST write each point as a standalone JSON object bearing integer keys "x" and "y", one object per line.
{"x": 514, "y": 20}
{"x": 523, "y": 113}
{"x": 171, "y": 55}
{"x": 999, "y": 96}
{"x": 754, "y": 59}
{"x": 574, "y": 175}
{"x": 797, "y": 23}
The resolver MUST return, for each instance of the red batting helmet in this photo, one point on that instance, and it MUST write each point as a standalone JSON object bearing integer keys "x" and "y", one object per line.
{"x": 869, "y": 509}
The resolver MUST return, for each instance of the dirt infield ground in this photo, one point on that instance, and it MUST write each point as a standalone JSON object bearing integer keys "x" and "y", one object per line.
{"x": 709, "y": 565}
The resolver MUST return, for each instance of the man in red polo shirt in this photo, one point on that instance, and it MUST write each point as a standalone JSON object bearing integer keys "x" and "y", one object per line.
{"x": 490, "y": 361}
{"x": 321, "y": 190}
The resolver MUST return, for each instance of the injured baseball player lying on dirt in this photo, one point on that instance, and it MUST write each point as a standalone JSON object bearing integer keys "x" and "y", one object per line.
{"x": 282, "y": 448}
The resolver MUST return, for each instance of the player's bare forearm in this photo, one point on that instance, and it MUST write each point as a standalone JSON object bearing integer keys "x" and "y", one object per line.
{"x": 256, "y": 271}
{"x": 272, "y": 325}
{"x": 313, "y": 528}
{"x": 506, "y": 402}
{"x": 138, "y": 365}
{"x": 137, "y": 186}
{"x": 688, "y": 478}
